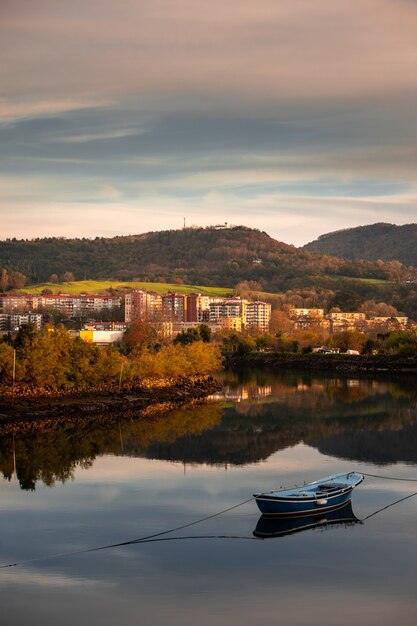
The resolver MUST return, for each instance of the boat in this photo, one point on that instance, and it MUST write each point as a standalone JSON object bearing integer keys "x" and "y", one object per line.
{"x": 321, "y": 495}
{"x": 281, "y": 525}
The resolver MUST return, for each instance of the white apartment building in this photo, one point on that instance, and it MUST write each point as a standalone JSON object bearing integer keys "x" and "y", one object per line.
{"x": 258, "y": 315}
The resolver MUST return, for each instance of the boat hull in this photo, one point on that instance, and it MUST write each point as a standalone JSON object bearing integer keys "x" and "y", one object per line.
{"x": 284, "y": 506}
{"x": 322, "y": 495}
{"x": 278, "y": 526}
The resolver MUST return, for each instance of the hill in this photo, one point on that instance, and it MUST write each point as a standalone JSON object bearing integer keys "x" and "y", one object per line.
{"x": 216, "y": 258}
{"x": 204, "y": 256}
{"x": 376, "y": 241}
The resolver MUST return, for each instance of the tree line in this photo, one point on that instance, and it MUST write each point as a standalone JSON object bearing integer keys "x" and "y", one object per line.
{"x": 50, "y": 361}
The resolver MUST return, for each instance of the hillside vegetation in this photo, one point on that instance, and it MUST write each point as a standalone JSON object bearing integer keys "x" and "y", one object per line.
{"x": 229, "y": 258}
{"x": 376, "y": 241}
{"x": 203, "y": 256}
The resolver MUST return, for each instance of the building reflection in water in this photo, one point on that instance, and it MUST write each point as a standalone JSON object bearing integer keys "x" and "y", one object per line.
{"x": 256, "y": 415}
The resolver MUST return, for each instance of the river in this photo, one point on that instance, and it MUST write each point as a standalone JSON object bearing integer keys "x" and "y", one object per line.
{"x": 76, "y": 497}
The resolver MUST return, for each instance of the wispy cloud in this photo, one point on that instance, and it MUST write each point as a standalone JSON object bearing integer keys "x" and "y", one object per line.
{"x": 269, "y": 114}
{"x": 13, "y": 110}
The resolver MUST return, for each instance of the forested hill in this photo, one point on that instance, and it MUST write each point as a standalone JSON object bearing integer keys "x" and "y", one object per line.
{"x": 376, "y": 241}
{"x": 205, "y": 256}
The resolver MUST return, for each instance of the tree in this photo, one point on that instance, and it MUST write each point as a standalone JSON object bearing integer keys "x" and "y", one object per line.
{"x": 4, "y": 280}
{"x": 205, "y": 333}
{"x": 53, "y": 278}
{"x": 348, "y": 340}
{"x": 25, "y": 337}
{"x": 17, "y": 280}
{"x": 400, "y": 342}
{"x": 378, "y": 309}
{"x": 187, "y": 337}
{"x": 6, "y": 362}
{"x": 68, "y": 277}
{"x": 140, "y": 335}
{"x": 280, "y": 322}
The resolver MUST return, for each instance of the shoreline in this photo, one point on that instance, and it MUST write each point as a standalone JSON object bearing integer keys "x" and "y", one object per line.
{"x": 340, "y": 363}
{"x": 161, "y": 396}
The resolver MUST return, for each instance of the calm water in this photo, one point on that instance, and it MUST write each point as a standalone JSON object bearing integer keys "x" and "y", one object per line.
{"x": 66, "y": 489}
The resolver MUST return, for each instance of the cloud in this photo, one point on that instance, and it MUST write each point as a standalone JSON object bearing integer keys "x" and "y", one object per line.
{"x": 295, "y": 117}
{"x": 263, "y": 50}
{"x": 12, "y": 111}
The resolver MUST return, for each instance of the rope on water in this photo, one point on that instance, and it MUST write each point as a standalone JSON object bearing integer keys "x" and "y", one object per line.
{"x": 384, "y": 508}
{"x": 409, "y": 480}
{"x": 156, "y": 536}
{"x": 144, "y": 539}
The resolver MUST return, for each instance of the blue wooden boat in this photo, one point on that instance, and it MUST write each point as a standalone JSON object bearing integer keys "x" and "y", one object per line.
{"x": 280, "y": 525}
{"x": 321, "y": 495}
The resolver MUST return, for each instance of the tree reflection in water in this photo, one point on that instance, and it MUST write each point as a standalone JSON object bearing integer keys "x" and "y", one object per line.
{"x": 258, "y": 414}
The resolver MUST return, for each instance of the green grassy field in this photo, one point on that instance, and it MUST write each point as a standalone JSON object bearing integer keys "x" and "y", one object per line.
{"x": 102, "y": 286}
{"x": 366, "y": 281}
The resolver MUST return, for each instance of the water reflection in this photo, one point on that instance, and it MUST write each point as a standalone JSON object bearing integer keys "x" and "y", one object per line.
{"x": 268, "y": 527}
{"x": 258, "y": 414}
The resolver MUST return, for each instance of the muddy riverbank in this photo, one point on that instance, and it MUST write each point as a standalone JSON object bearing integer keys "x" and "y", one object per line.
{"x": 150, "y": 396}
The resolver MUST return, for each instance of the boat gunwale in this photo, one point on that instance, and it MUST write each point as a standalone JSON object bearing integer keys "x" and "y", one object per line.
{"x": 312, "y": 498}
{"x": 285, "y": 496}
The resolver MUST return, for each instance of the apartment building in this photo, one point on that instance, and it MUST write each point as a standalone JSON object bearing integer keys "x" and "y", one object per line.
{"x": 198, "y": 307}
{"x": 258, "y": 315}
{"x": 24, "y": 302}
{"x": 309, "y": 318}
{"x": 13, "y": 321}
{"x": 174, "y": 307}
{"x": 228, "y": 307}
{"x": 229, "y": 323}
{"x": 388, "y": 323}
{"x": 143, "y": 305}
{"x": 72, "y": 305}
{"x": 347, "y": 320}
{"x": 312, "y": 314}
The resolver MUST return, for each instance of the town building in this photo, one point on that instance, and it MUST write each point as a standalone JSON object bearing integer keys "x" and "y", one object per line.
{"x": 13, "y": 321}
{"x": 109, "y": 326}
{"x": 347, "y": 320}
{"x": 198, "y": 307}
{"x": 228, "y": 307}
{"x": 313, "y": 314}
{"x": 258, "y": 316}
{"x": 101, "y": 337}
{"x": 388, "y": 323}
{"x": 229, "y": 323}
{"x": 174, "y": 307}
{"x": 143, "y": 305}
{"x": 81, "y": 305}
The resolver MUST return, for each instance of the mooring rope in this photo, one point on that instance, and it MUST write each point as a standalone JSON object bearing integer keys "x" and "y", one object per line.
{"x": 157, "y": 536}
{"x": 409, "y": 480}
{"x": 146, "y": 538}
{"x": 412, "y": 495}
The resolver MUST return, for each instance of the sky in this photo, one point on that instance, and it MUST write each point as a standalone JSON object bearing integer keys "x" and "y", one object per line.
{"x": 296, "y": 117}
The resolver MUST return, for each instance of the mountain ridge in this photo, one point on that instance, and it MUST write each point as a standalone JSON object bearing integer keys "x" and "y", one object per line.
{"x": 222, "y": 256}
{"x": 371, "y": 242}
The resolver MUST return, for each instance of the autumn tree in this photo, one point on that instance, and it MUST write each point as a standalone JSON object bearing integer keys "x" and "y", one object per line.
{"x": 6, "y": 362}
{"x": 378, "y": 309}
{"x": 4, "y": 280}
{"x": 348, "y": 340}
{"x": 140, "y": 335}
{"x": 17, "y": 280}
{"x": 67, "y": 277}
{"x": 280, "y": 322}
